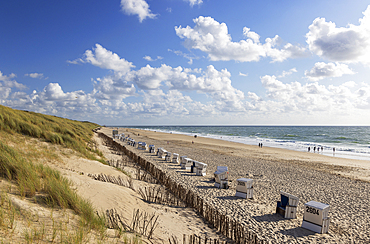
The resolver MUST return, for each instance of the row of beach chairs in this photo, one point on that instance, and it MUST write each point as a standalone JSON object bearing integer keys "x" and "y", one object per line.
{"x": 316, "y": 214}
{"x": 199, "y": 168}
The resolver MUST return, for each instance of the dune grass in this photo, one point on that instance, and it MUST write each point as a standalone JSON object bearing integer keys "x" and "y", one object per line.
{"x": 69, "y": 133}
{"x": 33, "y": 178}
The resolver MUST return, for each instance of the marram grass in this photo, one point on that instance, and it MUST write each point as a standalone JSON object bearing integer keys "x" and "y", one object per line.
{"x": 69, "y": 133}
{"x": 33, "y": 178}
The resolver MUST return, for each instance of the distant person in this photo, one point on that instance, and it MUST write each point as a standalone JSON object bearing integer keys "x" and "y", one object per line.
{"x": 322, "y": 148}
{"x": 314, "y": 149}
{"x": 309, "y": 149}
{"x": 261, "y": 145}
{"x": 318, "y": 149}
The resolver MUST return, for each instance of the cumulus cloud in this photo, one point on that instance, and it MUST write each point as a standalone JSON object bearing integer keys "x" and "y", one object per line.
{"x": 194, "y": 2}
{"x": 311, "y": 97}
{"x": 289, "y": 72}
{"x": 105, "y": 59}
{"x": 213, "y": 38}
{"x": 322, "y": 70}
{"x": 36, "y": 75}
{"x": 137, "y": 7}
{"x": 113, "y": 88}
{"x": 346, "y": 44}
{"x": 214, "y": 83}
{"x": 123, "y": 82}
{"x": 7, "y": 83}
{"x": 150, "y": 59}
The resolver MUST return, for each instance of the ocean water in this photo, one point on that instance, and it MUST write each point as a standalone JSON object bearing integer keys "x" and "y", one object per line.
{"x": 348, "y": 141}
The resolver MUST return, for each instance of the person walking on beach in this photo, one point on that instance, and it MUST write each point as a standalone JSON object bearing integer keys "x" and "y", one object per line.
{"x": 309, "y": 149}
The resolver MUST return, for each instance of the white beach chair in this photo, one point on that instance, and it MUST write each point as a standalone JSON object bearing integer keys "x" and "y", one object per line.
{"x": 187, "y": 164}
{"x": 244, "y": 188}
{"x": 201, "y": 169}
{"x": 316, "y": 217}
{"x": 175, "y": 158}
{"x": 168, "y": 157}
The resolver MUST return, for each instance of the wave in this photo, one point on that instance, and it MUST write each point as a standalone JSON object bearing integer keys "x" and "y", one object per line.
{"x": 345, "y": 146}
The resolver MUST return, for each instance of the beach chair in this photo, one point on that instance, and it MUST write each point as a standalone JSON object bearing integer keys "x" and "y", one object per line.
{"x": 139, "y": 145}
{"x": 193, "y": 166}
{"x": 244, "y": 188}
{"x": 201, "y": 169}
{"x": 175, "y": 158}
{"x": 142, "y": 146}
{"x": 115, "y": 134}
{"x": 221, "y": 177}
{"x": 287, "y": 206}
{"x": 168, "y": 157}
{"x": 182, "y": 160}
{"x": 158, "y": 152}
{"x": 187, "y": 164}
{"x": 163, "y": 153}
{"x": 316, "y": 217}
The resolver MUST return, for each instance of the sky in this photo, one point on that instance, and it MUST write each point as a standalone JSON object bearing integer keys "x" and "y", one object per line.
{"x": 188, "y": 62}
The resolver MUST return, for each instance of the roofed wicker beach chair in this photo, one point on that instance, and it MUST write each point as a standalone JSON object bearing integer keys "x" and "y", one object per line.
{"x": 287, "y": 206}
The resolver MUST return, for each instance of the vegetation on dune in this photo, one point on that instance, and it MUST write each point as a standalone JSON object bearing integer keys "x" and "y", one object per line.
{"x": 33, "y": 178}
{"x": 69, "y": 133}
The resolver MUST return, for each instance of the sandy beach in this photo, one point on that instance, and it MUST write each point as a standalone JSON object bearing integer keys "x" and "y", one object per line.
{"x": 341, "y": 183}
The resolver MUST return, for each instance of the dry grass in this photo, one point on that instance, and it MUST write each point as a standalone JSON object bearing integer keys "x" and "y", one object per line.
{"x": 28, "y": 142}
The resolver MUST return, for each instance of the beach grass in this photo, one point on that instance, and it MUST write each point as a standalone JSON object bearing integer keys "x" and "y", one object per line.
{"x": 69, "y": 133}
{"x": 32, "y": 177}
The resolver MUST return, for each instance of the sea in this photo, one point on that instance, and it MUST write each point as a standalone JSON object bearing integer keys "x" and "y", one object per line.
{"x": 348, "y": 141}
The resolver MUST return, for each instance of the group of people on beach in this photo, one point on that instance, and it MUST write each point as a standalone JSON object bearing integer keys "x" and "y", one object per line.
{"x": 314, "y": 149}
{"x": 318, "y": 149}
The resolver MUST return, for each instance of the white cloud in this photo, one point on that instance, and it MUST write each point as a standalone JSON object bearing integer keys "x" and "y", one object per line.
{"x": 242, "y": 74}
{"x": 150, "y": 59}
{"x": 137, "y": 7}
{"x": 105, "y": 59}
{"x": 214, "y": 83}
{"x": 194, "y": 2}
{"x": 6, "y": 78}
{"x": 345, "y": 44}
{"x": 289, "y": 72}
{"x": 312, "y": 97}
{"x": 185, "y": 55}
{"x": 113, "y": 88}
{"x": 7, "y": 83}
{"x": 322, "y": 70}
{"x": 213, "y": 38}
{"x": 36, "y": 75}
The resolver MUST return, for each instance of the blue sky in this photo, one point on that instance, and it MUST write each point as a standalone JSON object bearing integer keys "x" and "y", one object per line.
{"x": 188, "y": 62}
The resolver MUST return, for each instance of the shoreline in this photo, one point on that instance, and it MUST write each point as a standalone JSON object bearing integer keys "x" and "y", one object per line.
{"x": 270, "y": 152}
{"x": 341, "y": 183}
{"x": 268, "y": 142}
